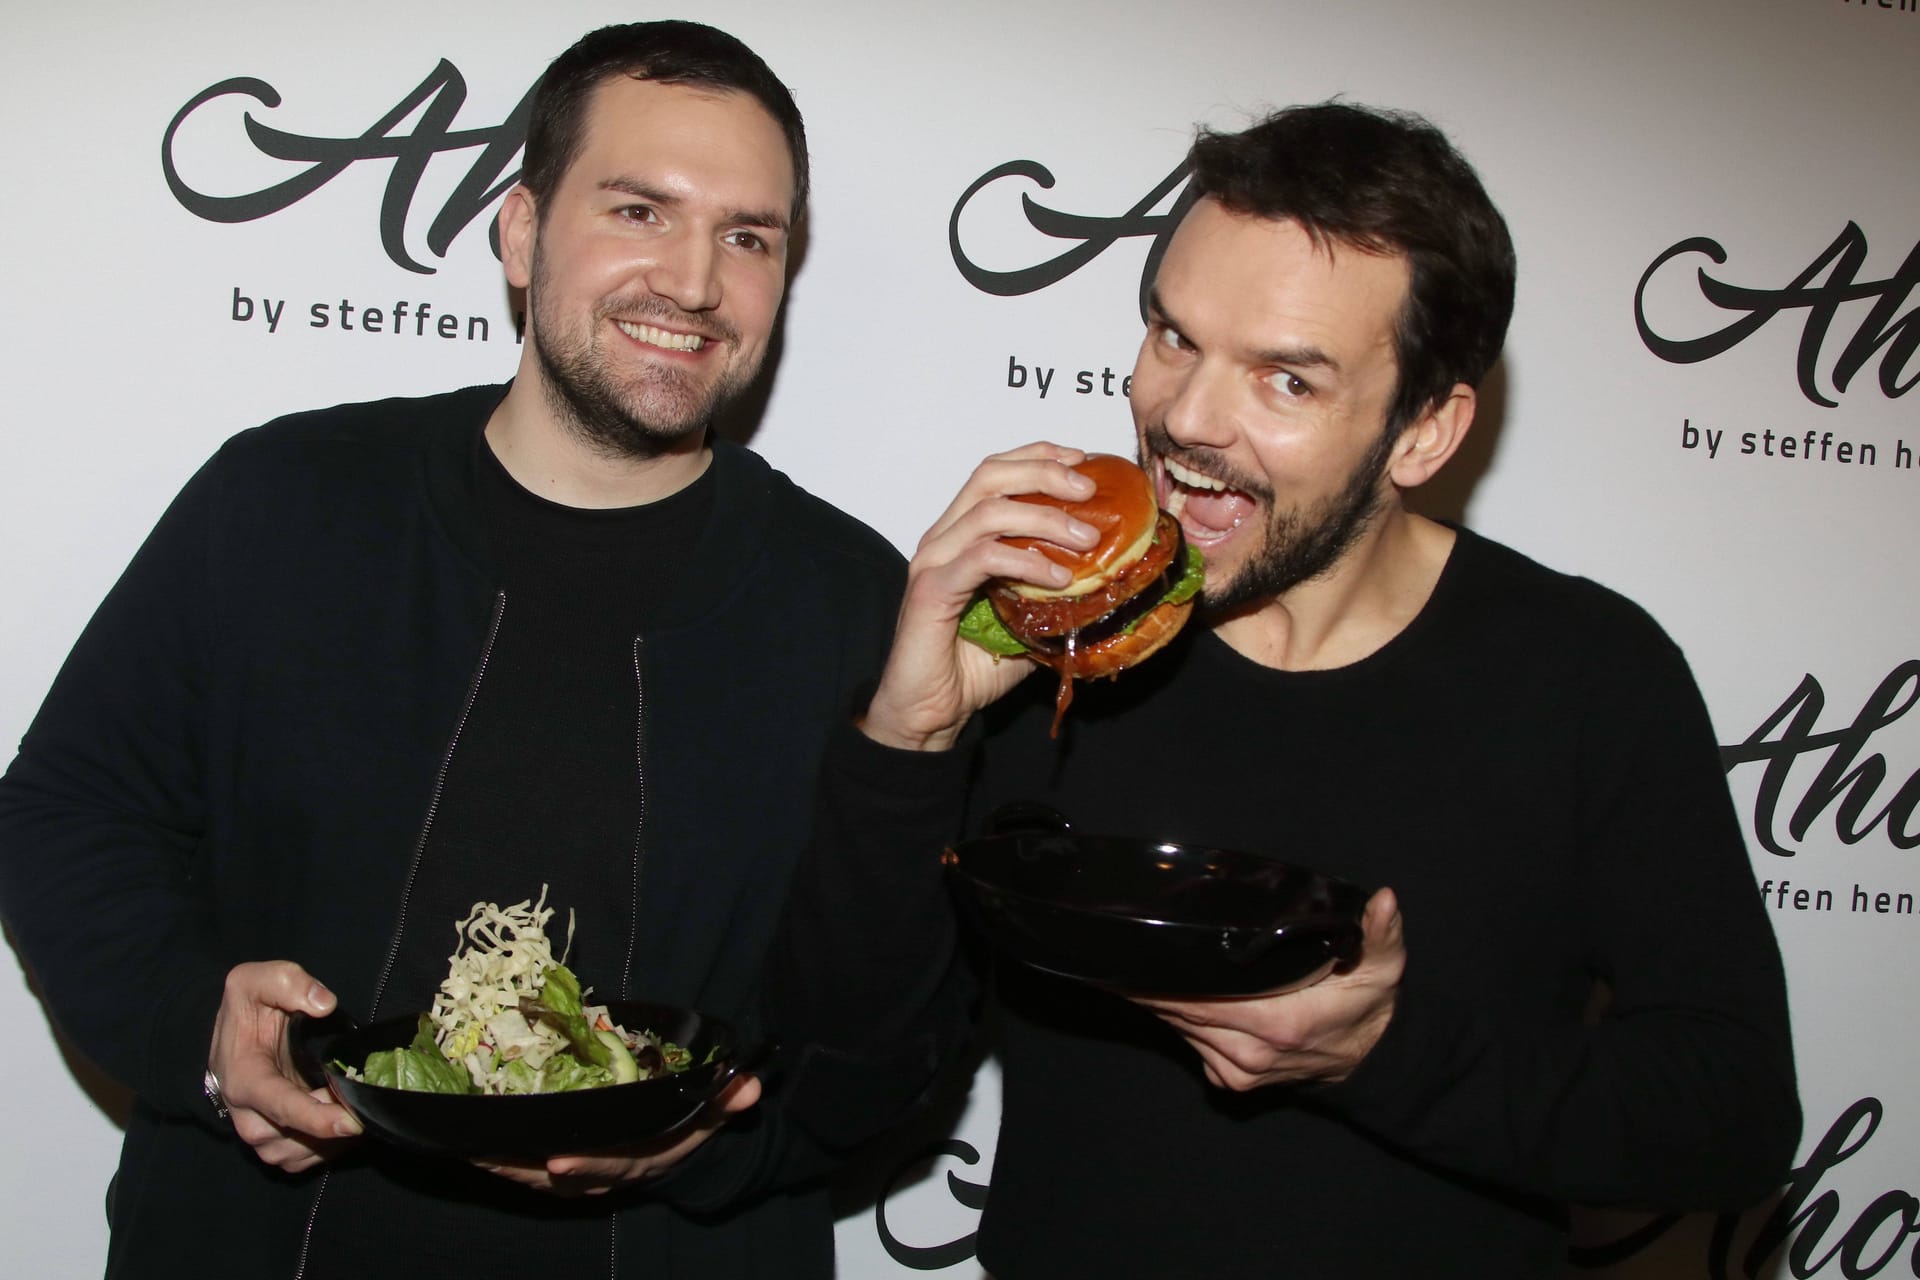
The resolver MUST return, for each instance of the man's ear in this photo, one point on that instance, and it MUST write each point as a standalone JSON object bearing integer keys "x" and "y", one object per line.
{"x": 519, "y": 228}
{"x": 1425, "y": 446}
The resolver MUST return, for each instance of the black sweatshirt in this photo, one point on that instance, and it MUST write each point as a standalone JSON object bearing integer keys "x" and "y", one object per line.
{"x": 240, "y": 759}
{"x": 1531, "y": 768}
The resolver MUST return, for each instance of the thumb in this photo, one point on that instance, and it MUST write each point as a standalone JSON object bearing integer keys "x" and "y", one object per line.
{"x": 286, "y": 986}
{"x": 740, "y": 1095}
{"x": 1381, "y": 920}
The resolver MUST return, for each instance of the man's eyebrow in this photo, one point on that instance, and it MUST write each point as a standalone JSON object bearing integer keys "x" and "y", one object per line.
{"x": 1304, "y": 356}
{"x": 1155, "y": 307}
{"x": 771, "y": 220}
{"x": 1300, "y": 357}
{"x": 635, "y": 187}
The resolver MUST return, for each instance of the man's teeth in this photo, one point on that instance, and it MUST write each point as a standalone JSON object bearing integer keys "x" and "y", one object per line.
{"x": 1192, "y": 479}
{"x": 661, "y": 338}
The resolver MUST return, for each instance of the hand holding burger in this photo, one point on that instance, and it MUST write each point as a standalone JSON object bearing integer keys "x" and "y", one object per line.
{"x": 1017, "y": 522}
{"x": 1129, "y": 594}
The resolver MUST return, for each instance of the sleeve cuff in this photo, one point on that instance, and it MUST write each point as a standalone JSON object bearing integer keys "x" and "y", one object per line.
{"x": 182, "y": 1032}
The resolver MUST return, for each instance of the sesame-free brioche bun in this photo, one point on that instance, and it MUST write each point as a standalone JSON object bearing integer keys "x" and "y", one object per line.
{"x": 1113, "y": 613}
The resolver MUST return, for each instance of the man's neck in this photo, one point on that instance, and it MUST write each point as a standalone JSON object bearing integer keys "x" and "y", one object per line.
{"x": 548, "y": 458}
{"x": 1369, "y": 597}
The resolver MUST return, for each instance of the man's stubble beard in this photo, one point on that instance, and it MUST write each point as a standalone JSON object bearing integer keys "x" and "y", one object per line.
{"x": 1299, "y": 545}
{"x": 645, "y": 416}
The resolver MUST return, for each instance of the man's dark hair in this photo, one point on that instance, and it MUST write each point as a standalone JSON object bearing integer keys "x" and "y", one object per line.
{"x": 1383, "y": 182}
{"x": 670, "y": 52}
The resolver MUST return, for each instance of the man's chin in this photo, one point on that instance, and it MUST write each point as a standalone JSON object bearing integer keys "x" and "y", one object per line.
{"x": 638, "y": 439}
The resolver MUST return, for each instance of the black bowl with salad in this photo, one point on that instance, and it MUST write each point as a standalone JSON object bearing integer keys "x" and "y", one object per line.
{"x": 514, "y": 1059}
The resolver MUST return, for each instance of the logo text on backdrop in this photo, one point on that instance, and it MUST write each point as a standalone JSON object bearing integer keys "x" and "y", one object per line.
{"x": 438, "y": 99}
{"x": 1895, "y": 337}
{"x": 1090, "y": 235}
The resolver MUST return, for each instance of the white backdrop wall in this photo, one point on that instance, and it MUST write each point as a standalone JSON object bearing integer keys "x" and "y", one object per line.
{"x": 1756, "y": 493}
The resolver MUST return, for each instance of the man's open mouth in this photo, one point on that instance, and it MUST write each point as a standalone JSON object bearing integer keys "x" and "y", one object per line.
{"x": 1207, "y": 508}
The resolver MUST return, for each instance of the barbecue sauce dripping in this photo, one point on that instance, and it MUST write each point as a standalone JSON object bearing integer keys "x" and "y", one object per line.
{"x": 1063, "y": 696}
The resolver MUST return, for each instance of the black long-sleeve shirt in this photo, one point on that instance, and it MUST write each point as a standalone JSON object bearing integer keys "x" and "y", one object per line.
{"x": 241, "y": 761}
{"x": 1530, "y": 767}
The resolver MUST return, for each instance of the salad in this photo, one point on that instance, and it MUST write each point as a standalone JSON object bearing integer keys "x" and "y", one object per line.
{"x": 511, "y": 1019}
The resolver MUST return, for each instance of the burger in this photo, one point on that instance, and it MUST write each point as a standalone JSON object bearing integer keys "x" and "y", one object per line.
{"x": 1130, "y": 593}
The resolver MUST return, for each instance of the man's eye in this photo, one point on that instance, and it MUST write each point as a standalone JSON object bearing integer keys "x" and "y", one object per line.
{"x": 746, "y": 240}
{"x": 1289, "y": 384}
{"x": 1171, "y": 339}
{"x": 640, "y": 213}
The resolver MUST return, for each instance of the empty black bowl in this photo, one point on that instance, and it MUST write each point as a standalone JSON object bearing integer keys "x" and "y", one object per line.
{"x": 1152, "y": 917}
{"x": 530, "y": 1126}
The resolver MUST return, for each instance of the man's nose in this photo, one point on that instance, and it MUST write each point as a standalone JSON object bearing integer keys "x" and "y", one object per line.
{"x": 1200, "y": 412}
{"x": 685, "y": 271}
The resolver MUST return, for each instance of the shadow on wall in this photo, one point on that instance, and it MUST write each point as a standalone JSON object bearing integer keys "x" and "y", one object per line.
{"x": 1610, "y": 1244}
{"x": 114, "y": 1101}
{"x": 740, "y": 420}
{"x": 1445, "y": 497}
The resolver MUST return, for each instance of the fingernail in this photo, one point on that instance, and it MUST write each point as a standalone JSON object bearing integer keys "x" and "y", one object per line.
{"x": 319, "y": 997}
{"x": 1058, "y": 574}
{"x": 347, "y": 1127}
{"x": 1085, "y": 532}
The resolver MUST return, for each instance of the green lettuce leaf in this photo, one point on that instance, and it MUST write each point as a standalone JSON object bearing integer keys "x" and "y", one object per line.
{"x": 563, "y": 1074}
{"x": 519, "y": 1077}
{"x": 1193, "y": 576}
{"x": 981, "y": 625}
{"x": 419, "y": 1066}
{"x": 561, "y": 995}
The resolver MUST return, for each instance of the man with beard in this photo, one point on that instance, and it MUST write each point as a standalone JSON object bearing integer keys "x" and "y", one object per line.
{"x": 383, "y": 661}
{"x": 1568, "y": 991}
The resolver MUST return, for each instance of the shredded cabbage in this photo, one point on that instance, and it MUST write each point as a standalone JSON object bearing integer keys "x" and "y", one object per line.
{"x": 504, "y": 957}
{"x": 515, "y": 1019}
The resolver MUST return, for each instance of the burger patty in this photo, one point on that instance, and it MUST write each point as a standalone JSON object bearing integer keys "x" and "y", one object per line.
{"x": 1106, "y": 611}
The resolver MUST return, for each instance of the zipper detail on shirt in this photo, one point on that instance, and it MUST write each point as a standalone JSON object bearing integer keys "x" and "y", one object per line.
{"x": 413, "y": 871}
{"x": 306, "y": 1236}
{"x": 433, "y": 804}
{"x": 640, "y": 822}
{"x": 633, "y": 897}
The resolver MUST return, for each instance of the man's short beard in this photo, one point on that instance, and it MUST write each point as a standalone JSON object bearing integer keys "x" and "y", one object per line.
{"x": 584, "y": 395}
{"x": 1299, "y": 545}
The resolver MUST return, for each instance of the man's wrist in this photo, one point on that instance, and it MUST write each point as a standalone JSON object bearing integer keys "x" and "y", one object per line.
{"x": 888, "y": 732}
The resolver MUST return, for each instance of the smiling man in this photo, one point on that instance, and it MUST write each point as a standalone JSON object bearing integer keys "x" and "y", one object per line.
{"x": 1568, "y": 991}
{"x": 383, "y": 661}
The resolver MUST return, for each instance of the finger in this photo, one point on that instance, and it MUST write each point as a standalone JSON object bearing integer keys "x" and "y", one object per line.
{"x": 739, "y": 1095}
{"x": 1221, "y": 1071}
{"x": 288, "y": 1155}
{"x": 282, "y": 985}
{"x": 1017, "y": 472}
{"x": 585, "y": 1169}
{"x": 347, "y": 1124}
{"x": 534, "y": 1176}
{"x": 259, "y": 1088}
{"x": 978, "y": 543}
{"x": 948, "y": 570}
{"x": 1005, "y": 515}
{"x": 1382, "y": 916}
{"x": 1180, "y": 1014}
{"x": 1065, "y": 453}
{"x": 289, "y": 1151}
{"x": 1382, "y": 932}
